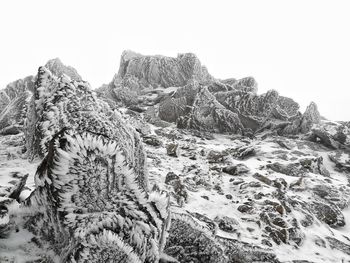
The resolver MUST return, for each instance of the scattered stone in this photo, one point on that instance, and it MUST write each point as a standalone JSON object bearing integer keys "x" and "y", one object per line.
{"x": 245, "y": 152}
{"x": 287, "y": 169}
{"x": 228, "y": 196}
{"x": 172, "y": 149}
{"x": 262, "y": 178}
{"x": 236, "y": 169}
{"x": 171, "y": 177}
{"x": 245, "y": 208}
{"x": 215, "y": 157}
{"x": 339, "y": 245}
{"x": 152, "y": 140}
{"x": 328, "y": 213}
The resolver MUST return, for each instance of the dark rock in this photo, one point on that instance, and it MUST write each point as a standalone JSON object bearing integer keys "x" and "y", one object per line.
{"x": 244, "y": 152}
{"x": 180, "y": 191}
{"x": 209, "y": 115}
{"x": 339, "y": 245}
{"x": 16, "y": 190}
{"x": 287, "y": 169}
{"x": 245, "y": 208}
{"x": 262, "y": 178}
{"x": 238, "y": 251}
{"x": 171, "y": 177}
{"x": 11, "y": 130}
{"x": 236, "y": 169}
{"x": 314, "y": 165}
{"x": 173, "y": 150}
{"x": 228, "y": 196}
{"x": 238, "y": 181}
{"x": 227, "y": 224}
{"x": 188, "y": 242}
{"x": 278, "y": 221}
{"x": 328, "y": 213}
{"x": 280, "y": 183}
{"x": 4, "y": 220}
{"x": 152, "y": 140}
{"x": 341, "y": 160}
{"x": 323, "y": 137}
{"x": 215, "y": 156}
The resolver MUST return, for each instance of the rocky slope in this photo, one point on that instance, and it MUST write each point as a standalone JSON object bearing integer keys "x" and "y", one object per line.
{"x": 168, "y": 164}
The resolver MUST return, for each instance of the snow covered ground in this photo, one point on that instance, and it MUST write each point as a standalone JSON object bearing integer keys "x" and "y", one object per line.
{"x": 212, "y": 193}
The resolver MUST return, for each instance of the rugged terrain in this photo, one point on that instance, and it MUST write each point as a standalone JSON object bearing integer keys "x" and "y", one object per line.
{"x": 167, "y": 163}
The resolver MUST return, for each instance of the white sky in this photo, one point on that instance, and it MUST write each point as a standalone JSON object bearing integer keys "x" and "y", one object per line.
{"x": 300, "y": 48}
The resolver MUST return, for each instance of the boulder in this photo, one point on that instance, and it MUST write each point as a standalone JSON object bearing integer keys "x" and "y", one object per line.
{"x": 236, "y": 169}
{"x": 188, "y": 241}
{"x": 92, "y": 162}
{"x": 172, "y": 149}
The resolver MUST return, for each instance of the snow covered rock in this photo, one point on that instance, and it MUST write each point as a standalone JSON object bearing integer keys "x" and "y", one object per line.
{"x": 13, "y": 100}
{"x": 311, "y": 116}
{"x": 137, "y": 71}
{"x": 209, "y": 115}
{"x": 61, "y": 103}
{"x": 92, "y": 204}
{"x": 188, "y": 241}
{"x": 58, "y": 69}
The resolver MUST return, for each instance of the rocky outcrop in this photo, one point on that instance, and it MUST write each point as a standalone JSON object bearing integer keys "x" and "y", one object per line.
{"x": 92, "y": 182}
{"x": 81, "y": 183}
{"x": 137, "y": 71}
{"x": 57, "y": 68}
{"x": 188, "y": 241}
{"x": 311, "y": 116}
{"x": 13, "y": 100}
{"x": 208, "y": 114}
{"x": 61, "y": 103}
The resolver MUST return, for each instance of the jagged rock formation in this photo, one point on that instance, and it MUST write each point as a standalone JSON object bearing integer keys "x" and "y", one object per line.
{"x": 235, "y": 105}
{"x": 95, "y": 208}
{"x": 138, "y": 72}
{"x": 13, "y": 100}
{"x": 92, "y": 193}
{"x": 59, "y": 102}
{"x": 57, "y": 68}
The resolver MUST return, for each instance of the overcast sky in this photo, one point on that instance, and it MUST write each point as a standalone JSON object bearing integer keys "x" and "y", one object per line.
{"x": 300, "y": 48}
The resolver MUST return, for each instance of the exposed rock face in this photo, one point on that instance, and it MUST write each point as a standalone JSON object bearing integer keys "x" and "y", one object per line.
{"x": 137, "y": 71}
{"x": 235, "y": 103}
{"x": 208, "y": 114}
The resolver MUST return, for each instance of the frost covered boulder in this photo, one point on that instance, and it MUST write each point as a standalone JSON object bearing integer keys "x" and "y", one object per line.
{"x": 62, "y": 103}
{"x": 91, "y": 204}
